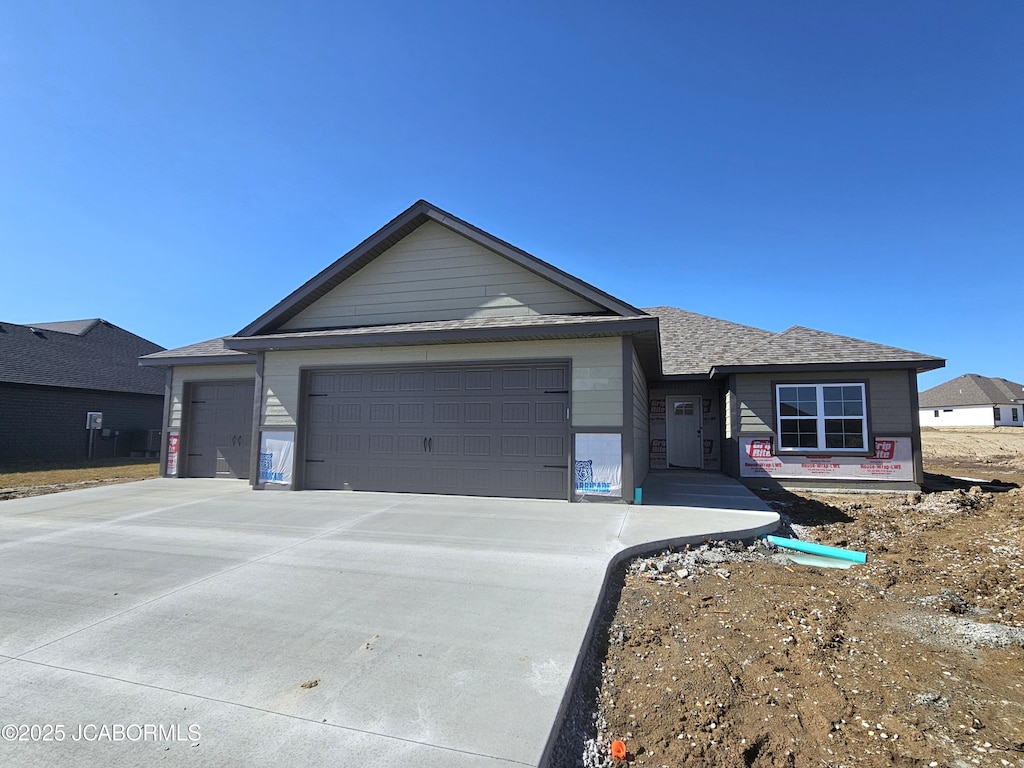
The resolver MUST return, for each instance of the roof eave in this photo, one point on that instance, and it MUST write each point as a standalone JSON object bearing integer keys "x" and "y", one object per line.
{"x": 373, "y": 338}
{"x": 165, "y": 362}
{"x": 919, "y": 365}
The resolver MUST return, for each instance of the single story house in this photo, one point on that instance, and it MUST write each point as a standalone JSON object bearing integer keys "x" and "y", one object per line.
{"x": 973, "y": 401}
{"x": 436, "y": 358}
{"x": 52, "y": 375}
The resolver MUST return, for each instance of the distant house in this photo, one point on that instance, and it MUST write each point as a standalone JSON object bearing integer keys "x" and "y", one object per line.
{"x": 973, "y": 401}
{"x": 436, "y": 358}
{"x": 53, "y": 374}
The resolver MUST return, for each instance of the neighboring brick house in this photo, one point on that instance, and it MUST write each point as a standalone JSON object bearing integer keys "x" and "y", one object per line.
{"x": 973, "y": 401}
{"x": 53, "y": 374}
{"x": 437, "y": 358}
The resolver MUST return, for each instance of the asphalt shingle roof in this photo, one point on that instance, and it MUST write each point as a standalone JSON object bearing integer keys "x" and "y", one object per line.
{"x": 209, "y": 348}
{"x": 806, "y": 346}
{"x": 692, "y": 344}
{"x": 79, "y": 354}
{"x": 972, "y": 389}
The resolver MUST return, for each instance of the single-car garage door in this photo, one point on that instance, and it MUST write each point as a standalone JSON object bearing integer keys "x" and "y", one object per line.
{"x": 219, "y": 428}
{"x": 491, "y": 430}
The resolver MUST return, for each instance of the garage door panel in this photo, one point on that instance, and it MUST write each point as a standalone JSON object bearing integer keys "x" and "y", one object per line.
{"x": 515, "y": 378}
{"x": 515, "y": 480}
{"x": 550, "y": 446}
{"x": 322, "y": 383}
{"x": 383, "y": 382}
{"x": 349, "y": 413}
{"x": 411, "y": 413}
{"x": 412, "y": 382}
{"x": 477, "y": 445}
{"x": 447, "y": 381}
{"x": 483, "y": 430}
{"x": 382, "y": 413}
{"x": 551, "y": 412}
{"x": 515, "y": 412}
{"x": 446, "y": 445}
{"x": 478, "y": 413}
{"x": 381, "y": 444}
{"x": 553, "y": 481}
{"x": 447, "y": 413}
{"x": 477, "y": 380}
{"x": 411, "y": 444}
{"x": 552, "y": 378}
{"x": 322, "y": 413}
{"x": 515, "y": 445}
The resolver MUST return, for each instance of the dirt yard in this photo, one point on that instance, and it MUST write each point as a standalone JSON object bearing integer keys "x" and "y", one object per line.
{"x": 726, "y": 655}
{"x": 17, "y": 482}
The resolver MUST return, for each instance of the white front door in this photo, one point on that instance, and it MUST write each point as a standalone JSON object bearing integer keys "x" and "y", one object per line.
{"x": 684, "y": 432}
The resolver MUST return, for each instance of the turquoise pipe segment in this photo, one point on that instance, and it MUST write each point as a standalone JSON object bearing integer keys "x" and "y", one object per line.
{"x": 819, "y": 549}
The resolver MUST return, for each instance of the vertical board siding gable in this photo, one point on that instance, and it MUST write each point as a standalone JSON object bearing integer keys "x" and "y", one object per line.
{"x": 436, "y": 274}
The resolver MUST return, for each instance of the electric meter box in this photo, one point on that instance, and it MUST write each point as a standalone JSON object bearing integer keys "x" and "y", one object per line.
{"x": 94, "y": 420}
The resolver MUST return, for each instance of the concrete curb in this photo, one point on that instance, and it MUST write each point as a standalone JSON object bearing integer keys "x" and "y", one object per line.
{"x": 617, "y": 559}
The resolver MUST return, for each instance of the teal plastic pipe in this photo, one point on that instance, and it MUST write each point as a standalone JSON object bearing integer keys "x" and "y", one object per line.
{"x": 819, "y": 549}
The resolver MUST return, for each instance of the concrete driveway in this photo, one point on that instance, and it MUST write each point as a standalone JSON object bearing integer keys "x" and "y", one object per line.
{"x": 175, "y": 621}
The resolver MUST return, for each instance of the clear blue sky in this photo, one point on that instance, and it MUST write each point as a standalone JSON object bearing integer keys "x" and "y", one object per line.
{"x": 178, "y": 167}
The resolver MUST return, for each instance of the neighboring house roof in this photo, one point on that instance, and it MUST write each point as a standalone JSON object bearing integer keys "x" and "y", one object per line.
{"x": 77, "y": 354}
{"x": 972, "y": 389}
{"x": 400, "y": 227}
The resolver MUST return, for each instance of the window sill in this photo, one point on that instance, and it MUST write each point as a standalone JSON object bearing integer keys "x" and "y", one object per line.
{"x": 827, "y": 455}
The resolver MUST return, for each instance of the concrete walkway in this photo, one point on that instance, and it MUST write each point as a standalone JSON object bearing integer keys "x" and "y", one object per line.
{"x": 176, "y": 621}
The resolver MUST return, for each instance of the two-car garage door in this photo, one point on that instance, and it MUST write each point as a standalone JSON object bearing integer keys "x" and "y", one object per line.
{"x": 492, "y": 430}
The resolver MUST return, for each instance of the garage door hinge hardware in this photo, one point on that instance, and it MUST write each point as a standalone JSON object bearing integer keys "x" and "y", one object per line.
{"x": 198, "y": 402}
{"x": 314, "y": 461}
{"x": 556, "y": 391}
{"x": 318, "y": 394}
{"x": 556, "y": 466}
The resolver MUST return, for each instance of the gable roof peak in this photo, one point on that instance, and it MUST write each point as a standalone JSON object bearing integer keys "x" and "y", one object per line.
{"x": 398, "y": 229}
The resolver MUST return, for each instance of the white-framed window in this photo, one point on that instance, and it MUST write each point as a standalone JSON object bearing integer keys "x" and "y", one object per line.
{"x": 1015, "y": 414}
{"x": 995, "y": 413}
{"x": 821, "y": 417}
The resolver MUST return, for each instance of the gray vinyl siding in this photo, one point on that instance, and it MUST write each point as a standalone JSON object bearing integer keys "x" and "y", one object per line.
{"x": 435, "y": 274}
{"x": 596, "y": 372}
{"x": 889, "y": 398}
{"x": 186, "y": 373}
{"x": 641, "y": 425}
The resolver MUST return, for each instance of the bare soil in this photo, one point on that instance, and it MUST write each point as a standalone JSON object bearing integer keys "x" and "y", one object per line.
{"x": 733, "y": 655}
{"x": 19, "y": 481}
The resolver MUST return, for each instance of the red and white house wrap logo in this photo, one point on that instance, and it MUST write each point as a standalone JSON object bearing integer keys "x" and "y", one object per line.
{"x": 760, "y": 449}
{"x": 885, "y": 449}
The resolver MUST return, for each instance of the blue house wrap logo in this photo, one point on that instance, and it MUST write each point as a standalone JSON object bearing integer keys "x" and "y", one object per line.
{"x": 267, "y": 473}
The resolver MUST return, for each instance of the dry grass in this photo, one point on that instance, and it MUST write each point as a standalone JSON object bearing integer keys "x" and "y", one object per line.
{"x": 114, "y": 470}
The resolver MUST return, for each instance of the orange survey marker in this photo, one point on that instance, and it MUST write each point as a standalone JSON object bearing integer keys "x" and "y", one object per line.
{"x": 618, "y": 750}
